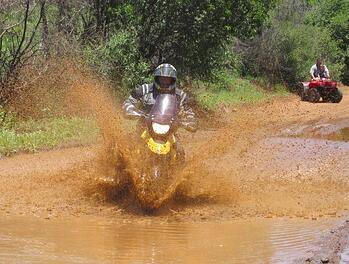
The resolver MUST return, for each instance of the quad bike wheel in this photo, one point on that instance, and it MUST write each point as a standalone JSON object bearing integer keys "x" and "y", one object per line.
{"x": 313, "y": 96}
{"x": 336, "y": 96}
{"x": 326, "y": 99}
{"x": 300, "y": 92}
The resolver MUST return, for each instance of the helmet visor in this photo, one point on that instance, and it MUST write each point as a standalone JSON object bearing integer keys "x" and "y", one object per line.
{"x": 165, "y": 82}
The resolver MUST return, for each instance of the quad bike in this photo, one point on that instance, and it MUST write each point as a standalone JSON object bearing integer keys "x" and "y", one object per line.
{"x": 323, "y": 88}
{"x": 156, "y": 177}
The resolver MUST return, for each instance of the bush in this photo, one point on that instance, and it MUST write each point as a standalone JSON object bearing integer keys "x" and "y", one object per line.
{"x": 119, "y": 60}
{"x": 306, "y": 47}
{"x": 226, "y": 88}
{"x": 7, "y": 118}
{"x": 334, "y": 16}
{"x": 286, "y": 50}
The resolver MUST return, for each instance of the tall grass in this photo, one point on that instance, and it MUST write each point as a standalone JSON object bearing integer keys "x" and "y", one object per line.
{"x": 229, "y": 90}
{"x": 31, "y": 136}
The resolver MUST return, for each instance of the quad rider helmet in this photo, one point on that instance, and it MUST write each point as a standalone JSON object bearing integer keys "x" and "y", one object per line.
{"x": 165, "y": 76}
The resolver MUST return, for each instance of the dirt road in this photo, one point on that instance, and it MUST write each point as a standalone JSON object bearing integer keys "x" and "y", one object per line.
{"x": 248, "y": 164}
{"x": 279, "y": 158}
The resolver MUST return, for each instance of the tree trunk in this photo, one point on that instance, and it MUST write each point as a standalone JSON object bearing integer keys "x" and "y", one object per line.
{"x": 63, "y": 8}
{"x": 45, "y": 33}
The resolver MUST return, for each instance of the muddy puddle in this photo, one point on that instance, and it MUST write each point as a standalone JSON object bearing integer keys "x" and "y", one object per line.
{"x": 340, "y": 135}
{"x": 338, "y": 131}
{"x": 78, "y": 241}
{"x": 319, "y": 150}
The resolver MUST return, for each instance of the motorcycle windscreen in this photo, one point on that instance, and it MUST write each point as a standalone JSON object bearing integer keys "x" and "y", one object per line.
{"x": 165, "y": 109}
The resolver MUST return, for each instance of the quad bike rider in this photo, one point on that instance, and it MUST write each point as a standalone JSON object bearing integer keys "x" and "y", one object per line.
{"x": 319, "y": 70}
{"x": 320, "y": 86}
{"x": 161, "y": 108}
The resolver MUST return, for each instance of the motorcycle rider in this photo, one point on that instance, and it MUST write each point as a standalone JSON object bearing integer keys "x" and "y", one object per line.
{"x": 141, "y": 100}
{"x": 319, "y": 70}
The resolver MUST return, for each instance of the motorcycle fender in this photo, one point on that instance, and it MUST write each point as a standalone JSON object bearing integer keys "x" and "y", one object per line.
{"x": 158, "y": 148}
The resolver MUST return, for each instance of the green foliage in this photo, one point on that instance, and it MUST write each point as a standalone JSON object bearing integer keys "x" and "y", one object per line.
{"x": 304, "y": 51}
{"x": 18, "y": 37}
{"x": 228, "y": 60}
{"x": 125, "y": 40}
{"x": 279, "y": 90}
{"x": 7, "y": 118}
{"x": 192, "y": 34}
{"x": 119, "y": 59}
{"x": 333, "y": 15}
{"x": 228, "y": 89}
{"x": 287, "y": 49}
{"x": 44, "y": 134}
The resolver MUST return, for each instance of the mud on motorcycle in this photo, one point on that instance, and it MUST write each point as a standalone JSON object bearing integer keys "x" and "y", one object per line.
{"x": 156, "y": 178}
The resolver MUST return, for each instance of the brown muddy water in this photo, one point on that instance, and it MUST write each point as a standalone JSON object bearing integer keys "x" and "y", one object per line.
{"x": 278, "y": 240}
{"x": 341, "y": 135}
{"x": 147, "y": 240}
{"x": 338, "y": 131}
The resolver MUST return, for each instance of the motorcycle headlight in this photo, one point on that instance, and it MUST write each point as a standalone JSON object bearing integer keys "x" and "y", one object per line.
{"x": 160, "y": 129}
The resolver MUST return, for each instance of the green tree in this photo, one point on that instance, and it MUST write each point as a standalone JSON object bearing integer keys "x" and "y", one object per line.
{"x": 287, "y": 48}
{"x": 19, "y": 41}
{"x": 191, "y": 34}
{"x": 333, "y": 15}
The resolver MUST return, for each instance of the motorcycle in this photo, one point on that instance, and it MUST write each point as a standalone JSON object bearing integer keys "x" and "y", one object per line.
{"x": 156, "y": 180}
{"x": 324, "y": 88}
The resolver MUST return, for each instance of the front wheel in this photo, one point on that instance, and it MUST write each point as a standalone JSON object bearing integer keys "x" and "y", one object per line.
{"x": 300, "y": 92}
{"x": 336, "y": 96}
{"x": 313, "y": 96}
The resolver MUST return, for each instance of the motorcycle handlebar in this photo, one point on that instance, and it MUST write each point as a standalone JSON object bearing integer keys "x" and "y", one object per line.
{"x": 320, "y": 79}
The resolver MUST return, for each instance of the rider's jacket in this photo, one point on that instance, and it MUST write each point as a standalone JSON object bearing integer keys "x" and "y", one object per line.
{"x": 317, "y": 72}
{"x": 143, "y": 98}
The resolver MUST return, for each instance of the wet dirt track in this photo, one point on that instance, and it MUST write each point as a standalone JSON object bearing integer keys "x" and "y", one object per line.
{"x": 253, "y": 148}
{"x": 264, "y": 160}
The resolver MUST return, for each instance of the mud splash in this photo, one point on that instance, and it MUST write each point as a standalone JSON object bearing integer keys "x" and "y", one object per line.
{"x": 67, "y": 88}
{"x": 231, "y": 171}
